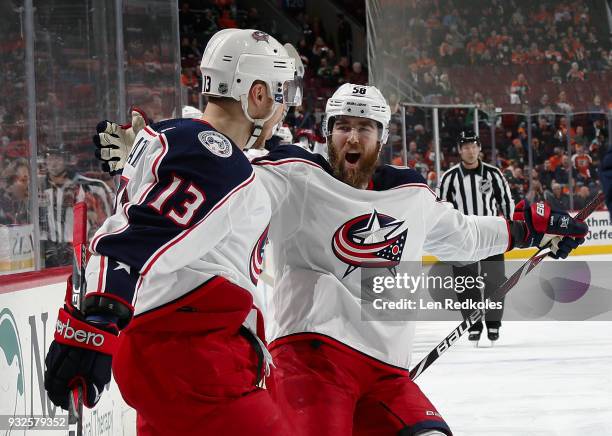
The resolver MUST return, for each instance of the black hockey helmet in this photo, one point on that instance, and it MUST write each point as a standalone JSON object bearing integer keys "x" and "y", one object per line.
{"x": 467, "y": 136}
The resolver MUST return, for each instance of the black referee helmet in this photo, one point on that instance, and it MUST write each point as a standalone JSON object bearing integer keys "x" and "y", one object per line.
{"x": 468, "y": 136}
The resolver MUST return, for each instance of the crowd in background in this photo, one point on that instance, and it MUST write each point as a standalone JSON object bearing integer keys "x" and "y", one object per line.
{"x": 503, "y": 53}
{"x": 549, "y": 57}
{"x": 558, "y": 164}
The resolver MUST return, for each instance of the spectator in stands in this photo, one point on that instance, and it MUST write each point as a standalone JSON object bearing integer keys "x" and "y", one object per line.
{"x": 596, "y": 106}
{"x": 544, "y": 101}
{"x": 444, "y": 85}
{"x": 413, "y": 74}
{"x": 536, "y": 193}
{"x": 14, "y": 207}
{"x": 325, "y": 73}
{"x": 546, "y": 111}
{"x": 518, "y": 184}
{"x": 562, "y": 105}
{"x": 582, "y": 162}
{"x": 188, "y": 54}
{"x": 337, "y": 77}
{"x": 545, "y": 133}
{"x": 555, "y": 74}
{"x": 428, "y": 88}
{"x": 516, "y": 152}
{"x": 579, "y": 137}
{"x": 519, "y": 90}
{"x": 301, "y": 118}
{"x": 358, "y": 76}
{"x": 553, "y": 56}
{"x": 189, "y": 79}
{"x": 582, "y": 197}
{"x": 538, "y": 153}
{"x": 344, "y": 65}
{"x": 557, "y": 199}
{"x": 562, "y": 172}
{"x": 575, "y": 74}
{"x": 547, "y": 175}
{"x": 319, "y": 50}
{"x": 412, "y": 153}
{"x": 556, "y": 158}
{"x": 421, "y": 137}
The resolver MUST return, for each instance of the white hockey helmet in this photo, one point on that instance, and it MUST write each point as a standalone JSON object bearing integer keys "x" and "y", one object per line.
{"x": 358, "y": 101}
{"x": 235, "y": 58}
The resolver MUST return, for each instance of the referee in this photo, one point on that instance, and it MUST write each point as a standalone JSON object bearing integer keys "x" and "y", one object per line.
{"x": 477, "y": 188}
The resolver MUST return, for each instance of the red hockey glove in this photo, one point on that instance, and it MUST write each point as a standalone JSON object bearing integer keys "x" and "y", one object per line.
{"x": 81, "y": 353}
{"x": 534, "y": 225}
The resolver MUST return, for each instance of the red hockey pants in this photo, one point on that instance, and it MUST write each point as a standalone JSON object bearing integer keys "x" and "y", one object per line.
{"x": 188, "y": 371}
{"x": 326, "y": 388}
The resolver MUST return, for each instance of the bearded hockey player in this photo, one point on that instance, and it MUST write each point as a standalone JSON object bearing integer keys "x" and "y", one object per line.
{"x": 336, "y": 373}
{"x": 170, "y": 301}
{"x": 341, "y": 370}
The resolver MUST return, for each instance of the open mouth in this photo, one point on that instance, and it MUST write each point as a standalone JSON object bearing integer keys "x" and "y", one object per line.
{"x": 352, "y": 158}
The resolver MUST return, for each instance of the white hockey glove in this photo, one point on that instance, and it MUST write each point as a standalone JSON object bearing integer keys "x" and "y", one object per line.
{"x": 114, "y": 141}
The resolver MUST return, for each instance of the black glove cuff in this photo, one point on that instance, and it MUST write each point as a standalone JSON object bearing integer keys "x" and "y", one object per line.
{"x": 112, "y": 308}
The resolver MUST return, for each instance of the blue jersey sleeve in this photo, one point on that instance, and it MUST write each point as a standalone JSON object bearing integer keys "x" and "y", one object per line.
{"x": 176, "y": 177}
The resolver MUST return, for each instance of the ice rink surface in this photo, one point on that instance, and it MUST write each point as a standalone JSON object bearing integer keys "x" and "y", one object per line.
{"x": 542, "y": 378}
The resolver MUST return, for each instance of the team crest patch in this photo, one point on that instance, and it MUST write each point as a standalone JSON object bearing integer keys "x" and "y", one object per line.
{"x": 216, "y": 143}
{"x": 370, "y": 241}
{"x": 258, "y": 35}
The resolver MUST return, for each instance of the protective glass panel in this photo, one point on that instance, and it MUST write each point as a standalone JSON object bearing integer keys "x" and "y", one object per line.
{"x": 153, "y": 58}
{"x": 512, "y": 55}
{"x": 16, "y": 230}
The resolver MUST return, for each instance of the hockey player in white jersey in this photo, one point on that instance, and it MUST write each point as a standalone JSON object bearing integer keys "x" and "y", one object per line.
{"x": 337, "y": 373}
{"x": 170, "y": 300}
{"x": 340, "y": 370}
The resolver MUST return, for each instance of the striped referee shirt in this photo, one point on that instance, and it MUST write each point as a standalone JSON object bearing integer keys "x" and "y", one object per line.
{"x": 479, "y": 191}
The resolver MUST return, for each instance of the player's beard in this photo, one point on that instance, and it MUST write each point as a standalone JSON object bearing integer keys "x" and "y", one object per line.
{"x": 355, "y": 177}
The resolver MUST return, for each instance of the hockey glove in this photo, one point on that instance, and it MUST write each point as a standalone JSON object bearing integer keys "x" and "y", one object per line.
{"x": 81, "y": 353}
{"x": 114, "y": 141}
{"x": 535, "y": 225}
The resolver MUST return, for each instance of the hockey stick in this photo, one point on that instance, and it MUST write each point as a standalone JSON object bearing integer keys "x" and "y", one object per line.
{"x": 478, "y": 314}
{"x": 79, "y": 245}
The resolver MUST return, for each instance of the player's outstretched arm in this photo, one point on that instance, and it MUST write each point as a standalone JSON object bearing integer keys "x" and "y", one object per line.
{"x": 457, "y": 237}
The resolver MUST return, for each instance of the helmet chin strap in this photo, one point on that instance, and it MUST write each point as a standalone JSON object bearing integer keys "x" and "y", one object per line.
{"x": 258, "y": 123}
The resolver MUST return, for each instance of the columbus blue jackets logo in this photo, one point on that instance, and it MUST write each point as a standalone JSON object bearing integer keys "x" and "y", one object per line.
{"x": 370, "y": 241}
{"x": 258, "y": 35}
{"x": 256, "y": 261}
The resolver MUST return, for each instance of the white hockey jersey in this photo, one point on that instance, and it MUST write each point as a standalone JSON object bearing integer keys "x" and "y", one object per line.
{"x": 322, "y": 231}
{"x": 190, "y": 209}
